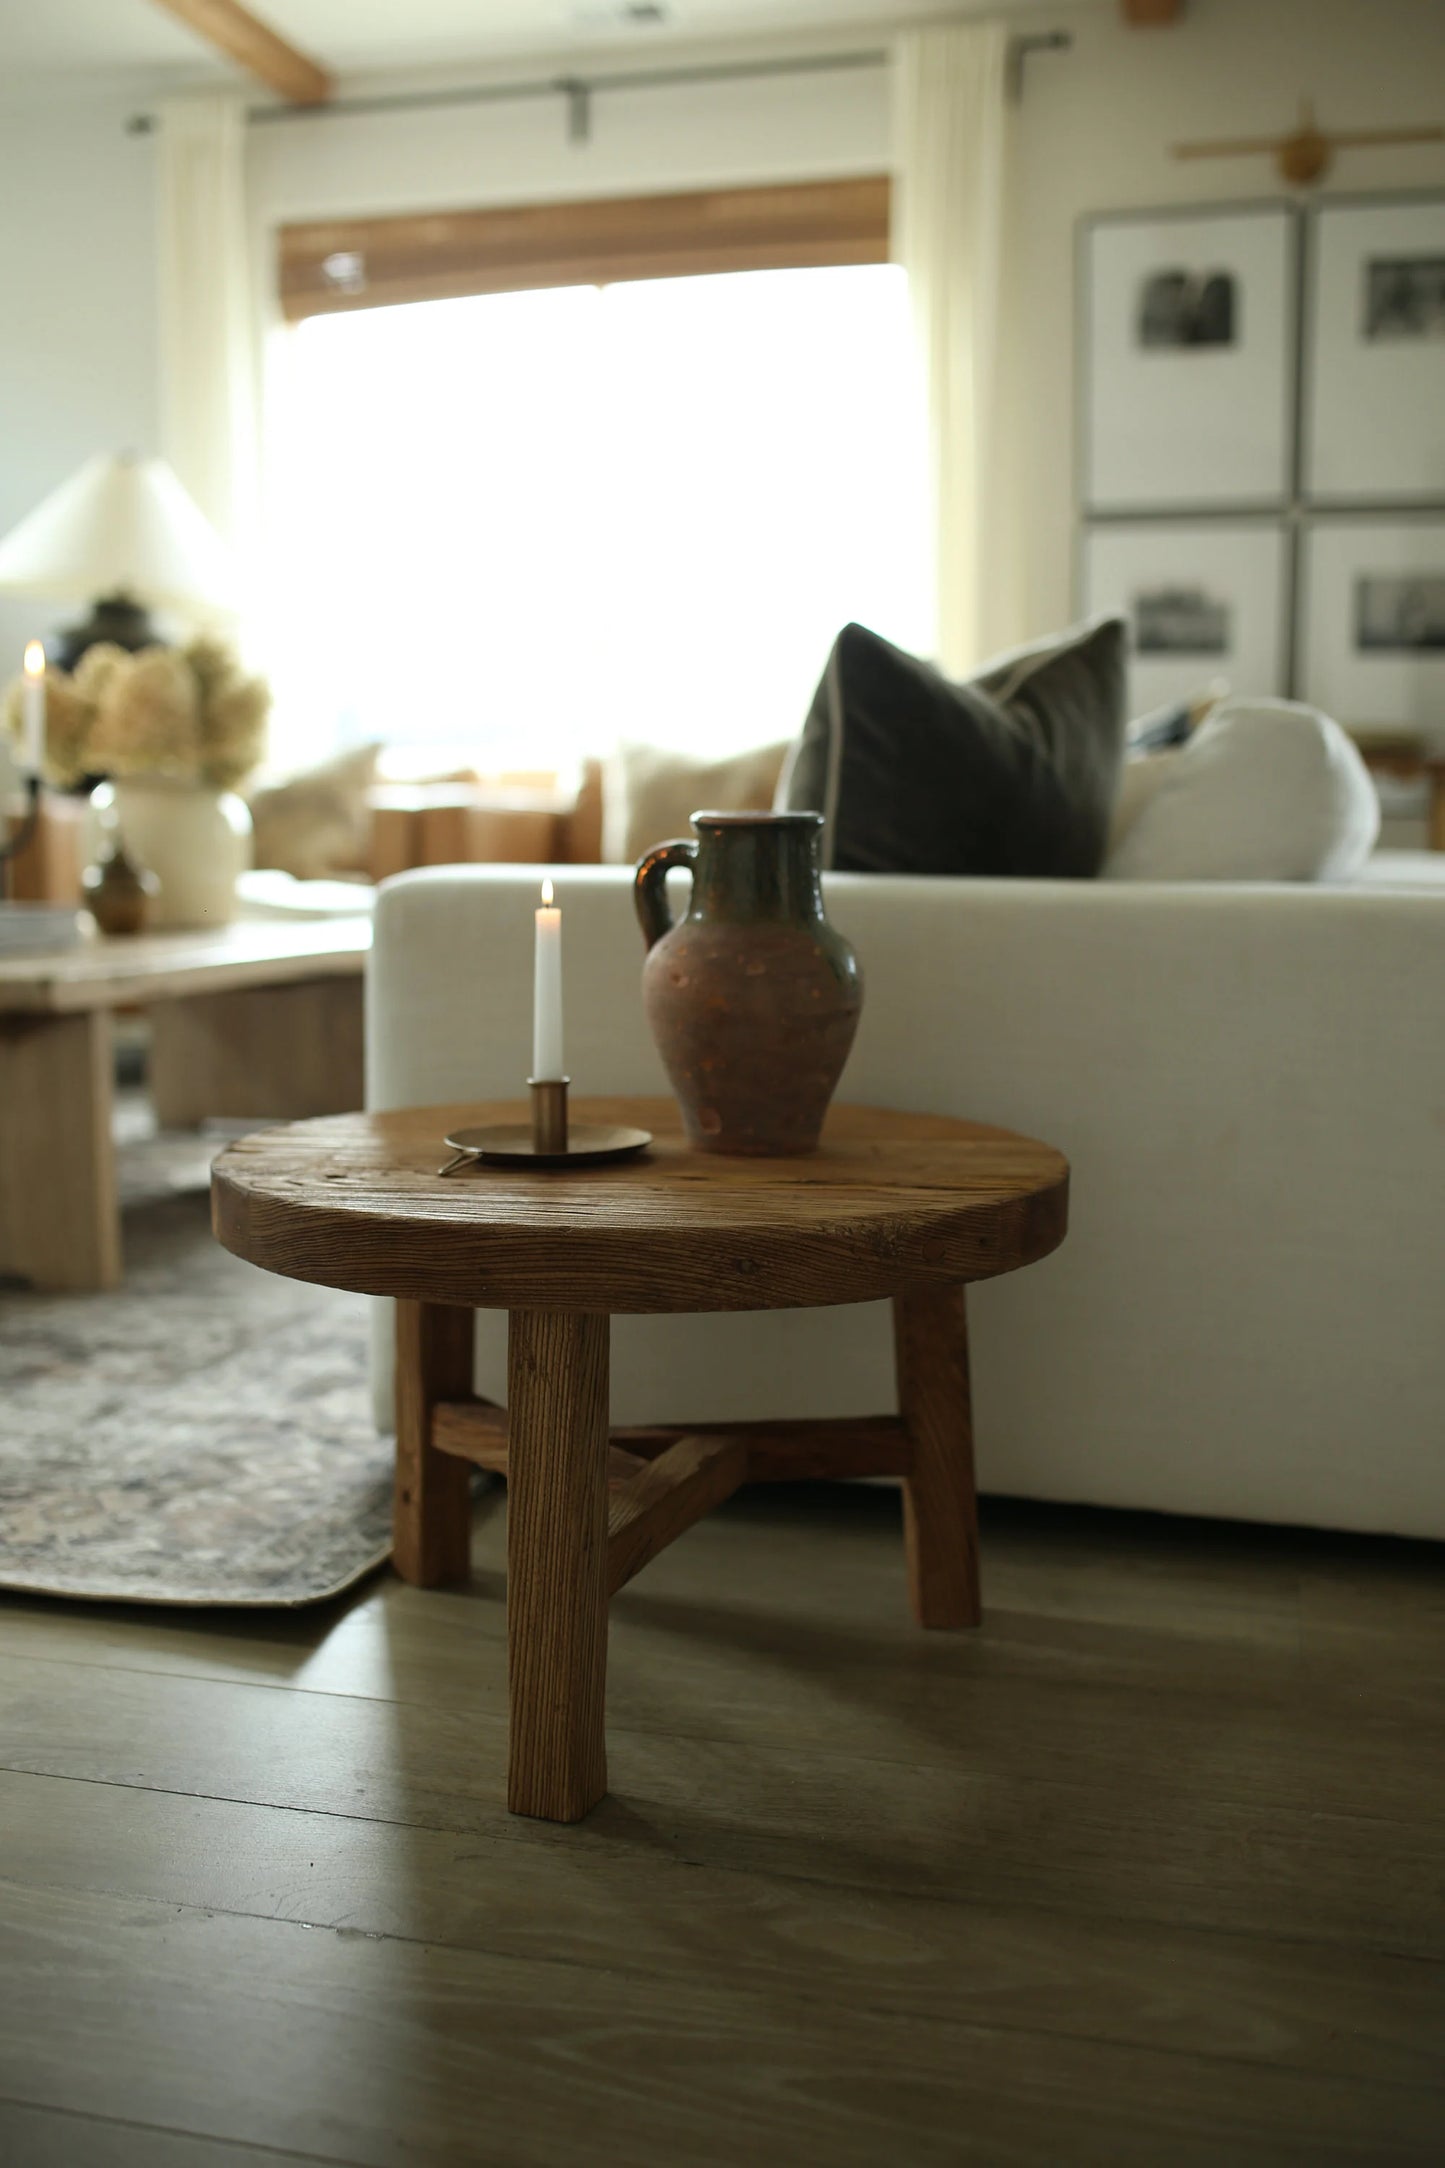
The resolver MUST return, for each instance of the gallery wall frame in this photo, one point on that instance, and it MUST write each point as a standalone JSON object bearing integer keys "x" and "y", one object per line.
{"x": 1203, "y": 598}
{"x": 1188, "y": 341}
{"x": 1372, "y": 618}
{"x": 1361, "y": 375}
{"x": 1372, "y": 405}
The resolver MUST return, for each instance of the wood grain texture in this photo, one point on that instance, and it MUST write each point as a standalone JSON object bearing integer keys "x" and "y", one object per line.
{"x": 57, "y": 2138}
{"x": 478, "y": 1433}
{"x": 557, "y": 1370}
{"x": 241, "y": 36}
{"x": 940, "y": 1506}
{"x": 1148, "y": 1870}
{"x": 484, "y": 2058}
{"x": 802, "y": 1451}
{"x": 1259, "y": 1997}
{"x": 666, "y": 1496}
{"x": 258, "y": 1053}
{"x": 585, "y": 241}
{"x": 431, "y": 1508}
{"x": 49, "y": 866}
{"x": 129, "y": 973}
{"x": 59, "y": 1218}
{"x": 1145, "y": 1806}
{"x": 889, "y": 1199}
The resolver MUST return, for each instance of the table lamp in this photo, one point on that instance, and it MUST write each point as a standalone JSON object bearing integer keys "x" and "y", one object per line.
{"x": 125, "y": 532}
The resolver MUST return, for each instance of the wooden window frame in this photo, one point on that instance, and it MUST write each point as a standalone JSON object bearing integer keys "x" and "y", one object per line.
{"x": 331, "y": 265}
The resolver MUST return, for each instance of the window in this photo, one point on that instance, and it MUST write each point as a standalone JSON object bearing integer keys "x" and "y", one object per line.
{"x": 516, "y": 527}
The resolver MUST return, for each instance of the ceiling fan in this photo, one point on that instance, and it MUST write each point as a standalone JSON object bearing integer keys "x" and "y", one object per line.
{"x": 1306, "y": 155}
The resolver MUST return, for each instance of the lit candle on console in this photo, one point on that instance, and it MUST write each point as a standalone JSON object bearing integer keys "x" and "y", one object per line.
{"x": 547, "y": 1009}
{"x": 32, "y": 716}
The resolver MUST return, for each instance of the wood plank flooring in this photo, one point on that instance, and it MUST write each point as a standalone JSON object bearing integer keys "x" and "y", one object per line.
{"x": 1150, "y": 1869}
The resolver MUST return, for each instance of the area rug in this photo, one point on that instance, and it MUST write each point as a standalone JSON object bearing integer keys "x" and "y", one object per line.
{"x": 202, "y": 1435}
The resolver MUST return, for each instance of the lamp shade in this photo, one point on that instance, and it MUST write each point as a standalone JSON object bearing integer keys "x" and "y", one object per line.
{"x": 121, "y": 525}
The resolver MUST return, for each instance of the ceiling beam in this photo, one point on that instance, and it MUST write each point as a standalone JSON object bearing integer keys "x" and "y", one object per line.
{"x": 256, "y": 47}
{"x": 1151, "y": 11}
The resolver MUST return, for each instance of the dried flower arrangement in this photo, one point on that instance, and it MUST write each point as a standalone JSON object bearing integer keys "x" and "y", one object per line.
{"x": 190, "y": 713}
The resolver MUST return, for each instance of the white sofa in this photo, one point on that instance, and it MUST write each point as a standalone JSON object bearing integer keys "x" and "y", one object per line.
{"x": 1248, "y": 1315}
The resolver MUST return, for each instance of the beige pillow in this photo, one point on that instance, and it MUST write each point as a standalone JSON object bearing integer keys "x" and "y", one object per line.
{"x": 319, "y": 823}
{"x": 650, "y": 794}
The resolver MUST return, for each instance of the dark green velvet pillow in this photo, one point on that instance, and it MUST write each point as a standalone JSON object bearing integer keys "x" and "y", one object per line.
{"x": 1013, "y": 772}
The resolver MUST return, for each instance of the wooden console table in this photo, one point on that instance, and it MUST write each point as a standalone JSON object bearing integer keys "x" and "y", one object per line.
{"x": 902, "y": 1206}
{"x": 253, "y": 1021}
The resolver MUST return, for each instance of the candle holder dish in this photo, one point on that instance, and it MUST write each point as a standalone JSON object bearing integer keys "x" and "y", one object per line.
{"x": 551, "y": 1140}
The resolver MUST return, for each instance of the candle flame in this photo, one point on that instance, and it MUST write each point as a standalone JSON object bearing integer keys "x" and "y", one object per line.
{"x": 546, "y": 885}
{"x": 34, "y": 659}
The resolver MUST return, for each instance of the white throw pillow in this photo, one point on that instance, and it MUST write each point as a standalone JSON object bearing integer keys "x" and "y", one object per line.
{"x": 650, "y": 793}
{"x": 1265, "y": 790}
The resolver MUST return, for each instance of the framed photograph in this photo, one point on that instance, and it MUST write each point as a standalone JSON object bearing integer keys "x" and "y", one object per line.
{"x": 1372, "y": 621}
{"x": 1187, "y": 338}
{"x": 1374, "y": 422}
{"x": 1204, "y": 600}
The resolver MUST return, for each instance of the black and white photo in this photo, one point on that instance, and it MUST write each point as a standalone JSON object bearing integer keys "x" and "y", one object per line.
{"x": 1204, "y": 600}
{"x": 1179, "y": 620}
{"x": 1374, "y": 353}
{"x": 1405, "y": 297}
{"x": 1372, "y": 619}
{"x": 1187, "y": 308}
{"x": 1187, "y": 347}
{"x": 1396, "y": 612}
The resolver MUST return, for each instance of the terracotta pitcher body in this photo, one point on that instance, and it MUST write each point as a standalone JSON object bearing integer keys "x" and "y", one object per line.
{"x": 753, "y": 998}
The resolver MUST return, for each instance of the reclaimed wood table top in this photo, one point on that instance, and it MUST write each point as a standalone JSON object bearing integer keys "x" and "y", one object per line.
{"x": 889, "y": 1200}
{"x": 103, "y": 972}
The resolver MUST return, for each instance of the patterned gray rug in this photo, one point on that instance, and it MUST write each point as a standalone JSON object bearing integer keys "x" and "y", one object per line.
{"x": 201, "y": 1436}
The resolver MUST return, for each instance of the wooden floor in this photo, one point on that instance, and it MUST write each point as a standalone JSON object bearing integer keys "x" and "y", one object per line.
{"x": 1150, "y": 1870}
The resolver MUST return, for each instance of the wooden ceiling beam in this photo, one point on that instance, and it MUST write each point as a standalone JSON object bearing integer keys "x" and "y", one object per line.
{"x": 256, "y": 47}
{"x": 1151, "y": 11}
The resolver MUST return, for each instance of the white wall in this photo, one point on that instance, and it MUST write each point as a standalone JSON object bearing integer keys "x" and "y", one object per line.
{"x": 77, "y": 309}
{"x": 1094, "y": 133}
{"x": 672, "y": 136}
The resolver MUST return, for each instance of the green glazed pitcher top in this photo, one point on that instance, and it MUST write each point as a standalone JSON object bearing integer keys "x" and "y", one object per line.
{"x": 745, "y": 867}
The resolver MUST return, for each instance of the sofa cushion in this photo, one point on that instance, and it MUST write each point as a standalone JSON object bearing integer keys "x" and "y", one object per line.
{"x": 650, "y": 793}
{"x": 317, "y": 824}
{"x": 1264, "y": 790}
{"x": 1013, "y": 772}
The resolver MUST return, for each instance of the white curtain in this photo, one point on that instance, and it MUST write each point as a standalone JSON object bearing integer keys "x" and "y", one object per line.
{"x": 948, "y": 201}
{"x": 209, "y": 338}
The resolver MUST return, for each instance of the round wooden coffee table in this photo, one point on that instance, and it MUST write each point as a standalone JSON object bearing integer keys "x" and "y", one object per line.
{"x": 904, "y": 1206}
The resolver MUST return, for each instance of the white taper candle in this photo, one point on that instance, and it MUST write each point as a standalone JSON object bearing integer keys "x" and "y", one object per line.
{"x": 547, "y": 996}
{"x": 32, "y": 717}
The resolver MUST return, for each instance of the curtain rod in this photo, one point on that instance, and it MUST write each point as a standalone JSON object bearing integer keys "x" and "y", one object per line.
{"x": 579, "y": 90}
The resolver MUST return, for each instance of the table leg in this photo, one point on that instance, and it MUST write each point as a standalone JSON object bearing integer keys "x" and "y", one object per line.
{"x": 557, "y": 1561}
{"x": 432, "y": 1505}
{"x": 257, "y": 1053}
{"x": 940, "y": 1508}
{"x": 59, "y": 1214}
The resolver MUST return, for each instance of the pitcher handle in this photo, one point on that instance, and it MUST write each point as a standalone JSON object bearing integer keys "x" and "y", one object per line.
{"x": 650, "y": 888}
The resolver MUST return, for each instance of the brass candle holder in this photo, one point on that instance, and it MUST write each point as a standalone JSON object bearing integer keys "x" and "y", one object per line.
{"x": 549, "y": 1115}
{"x": 550, "y": 1140}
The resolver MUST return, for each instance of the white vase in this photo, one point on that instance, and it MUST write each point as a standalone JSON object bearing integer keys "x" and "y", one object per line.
{"x": 197, "y": 843}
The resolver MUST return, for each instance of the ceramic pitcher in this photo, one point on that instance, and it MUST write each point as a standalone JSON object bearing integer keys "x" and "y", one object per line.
{"x": 753, "y": 998}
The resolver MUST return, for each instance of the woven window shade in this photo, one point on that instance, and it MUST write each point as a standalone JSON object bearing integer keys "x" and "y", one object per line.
{"x": 368, "y": 263}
